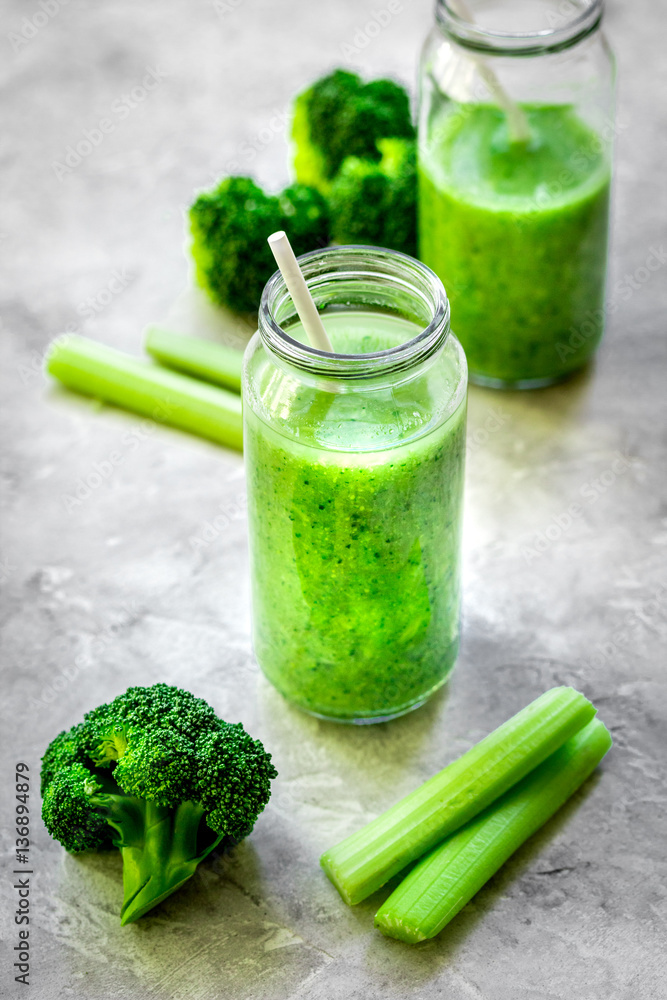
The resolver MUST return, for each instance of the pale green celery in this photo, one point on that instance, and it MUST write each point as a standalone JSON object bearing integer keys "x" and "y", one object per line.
{"x": 363, "y": 862}
{"x": 164, "y": 396}
{"x": 446, "y": 879}
{"x": 202, "y": 358}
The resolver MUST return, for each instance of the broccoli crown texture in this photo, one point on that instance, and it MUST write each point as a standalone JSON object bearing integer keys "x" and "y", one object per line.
{"x": 376, "y": 203}
{"x": 340, "y": 116}
{"x": 67, "y": 812}
{"x": 304, "y": 217}
{"x": 230, "y": 226}
{"x": 157, "y": 774}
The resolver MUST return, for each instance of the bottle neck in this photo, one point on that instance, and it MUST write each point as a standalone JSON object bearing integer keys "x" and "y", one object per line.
{"x": 529, "y": 28}
{"x": 358, "y": 278}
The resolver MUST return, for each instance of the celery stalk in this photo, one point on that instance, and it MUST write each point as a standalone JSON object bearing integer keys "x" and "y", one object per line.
{"x": 164, "y": 396}
{"x": 363, "y": 862}
{"x": 202, "y": 358}
{"x": 446, "y": 879}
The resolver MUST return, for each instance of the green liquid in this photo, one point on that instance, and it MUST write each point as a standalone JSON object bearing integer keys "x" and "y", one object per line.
{"x": 355, "y": 538}
{"x": 518, "y": 234}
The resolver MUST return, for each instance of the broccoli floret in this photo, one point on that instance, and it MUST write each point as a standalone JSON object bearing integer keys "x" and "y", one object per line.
{"x": 229, "y": 229}
{"x": 304, "y": 217}
{"x": 376, "y": 203}
{"x": 232, "y": 781}
{"x": 69, "y": 747}
{"x": 159, "y": 765}
{"x": 230, "y": 226}
{"x": 158, "y": 775}
{"x": 340, "y": 116}
{"x": 66, "y": 803}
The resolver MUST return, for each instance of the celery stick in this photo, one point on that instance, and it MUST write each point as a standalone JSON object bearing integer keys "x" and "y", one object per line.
{"x": 164, "y": 396}
{"x": 363, "y": 862}
{"x": 446, "y": 879}
{"x": 201, "y": 358}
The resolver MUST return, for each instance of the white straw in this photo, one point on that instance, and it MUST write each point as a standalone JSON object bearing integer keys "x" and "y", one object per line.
{"x": 516, "y": 117}
{"x": 298, "y": 289}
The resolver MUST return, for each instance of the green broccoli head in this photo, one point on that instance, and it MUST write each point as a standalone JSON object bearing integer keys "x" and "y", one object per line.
{"x": 376, "y": 203}
{"x": 234, "y": 775}
{"x": 69, "y": 747}
{"x": 340, "y": 116}
{"x": 67, "y": 813}
{"x": 230, "y": 226}
{"x": 156, "y": 773}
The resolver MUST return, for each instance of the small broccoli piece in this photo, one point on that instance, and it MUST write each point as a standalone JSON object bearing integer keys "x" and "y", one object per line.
{"x": 376, "y": 203}
{"x": 233, "y": 780}
{"x": 304, "y": 217}
{"x": 69, "y": 747}
{"x": 315, "y": 120}
{"x": 230, "y": 226}
{"x": 158, "y": 765}
{"x": 67, "y": 804}
{"x": 158, "y": 775}
{"x": 340, "y": 116}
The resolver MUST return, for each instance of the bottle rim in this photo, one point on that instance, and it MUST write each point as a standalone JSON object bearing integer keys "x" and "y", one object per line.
{"x": 337, "y": 268}
{"x": 461, "y": 28}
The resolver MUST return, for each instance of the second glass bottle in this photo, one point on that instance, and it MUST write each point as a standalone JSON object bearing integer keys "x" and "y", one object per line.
{"x": 515, "y": 135}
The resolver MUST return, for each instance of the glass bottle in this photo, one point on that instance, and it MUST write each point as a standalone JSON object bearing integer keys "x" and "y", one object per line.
{"x": 516, "y": 125}
{"x": 354, "y": 465}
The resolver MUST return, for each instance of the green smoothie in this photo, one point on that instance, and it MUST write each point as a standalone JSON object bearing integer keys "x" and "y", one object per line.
{"x": 355, "y": 530}
{"x": 518, "y": 234}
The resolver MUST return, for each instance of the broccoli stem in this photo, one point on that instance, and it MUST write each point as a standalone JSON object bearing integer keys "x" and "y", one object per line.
{"x": 167, "y": 397}
{"x": 203, "y": 359}
{"x": 363, "y": 862}
{"x": 444, "y": 881}
{"x": 160, "y": 846}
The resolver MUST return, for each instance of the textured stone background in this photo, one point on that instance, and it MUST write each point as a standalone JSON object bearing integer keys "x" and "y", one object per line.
{"x": 112, "y": 590}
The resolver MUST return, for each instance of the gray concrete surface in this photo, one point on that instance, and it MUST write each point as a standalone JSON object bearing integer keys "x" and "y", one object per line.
{"x": 115, "y": 589}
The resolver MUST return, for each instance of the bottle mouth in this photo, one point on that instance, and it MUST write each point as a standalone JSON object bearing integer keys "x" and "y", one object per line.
{"x": 531, "y": 27}
{"x": 358, "y": 278}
